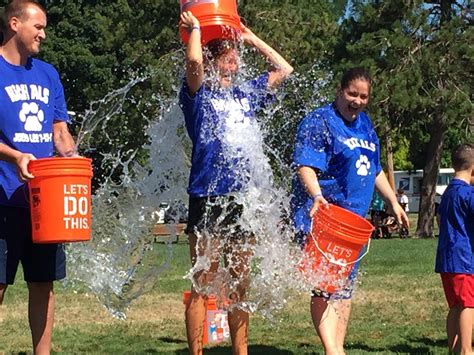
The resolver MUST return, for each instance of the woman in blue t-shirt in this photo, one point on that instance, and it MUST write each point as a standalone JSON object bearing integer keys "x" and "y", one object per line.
{"x": 219, "y": 116}
{"x": 337, "y": 160}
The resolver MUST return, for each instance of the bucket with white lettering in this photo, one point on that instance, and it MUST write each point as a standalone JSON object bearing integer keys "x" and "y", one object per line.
{"x": 218, "y": 19}
{"x": 333, "y": 246}
{"x": 60, "y": 199}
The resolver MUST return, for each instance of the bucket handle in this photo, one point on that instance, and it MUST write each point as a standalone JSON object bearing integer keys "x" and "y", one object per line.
{"x": 331, "y": 260}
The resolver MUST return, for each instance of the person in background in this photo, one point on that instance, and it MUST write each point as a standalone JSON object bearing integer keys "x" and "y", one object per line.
{"x": 455, "y": 251}
{"x": 219, "y": 114}
{"x": 33, "y": 120}
{"x": 404, "y": 202}
{"x": 337, "y": 161}
{"x": 377, "y": 215}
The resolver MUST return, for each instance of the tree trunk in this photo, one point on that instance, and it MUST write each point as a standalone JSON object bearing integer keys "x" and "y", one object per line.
{"x": 389, "y": 148}
{"x": 434, "y": 150}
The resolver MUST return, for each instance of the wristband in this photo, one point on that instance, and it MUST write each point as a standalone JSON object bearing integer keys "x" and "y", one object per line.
{"x": 319, "y": 194}
{"x": 191, "y": 29}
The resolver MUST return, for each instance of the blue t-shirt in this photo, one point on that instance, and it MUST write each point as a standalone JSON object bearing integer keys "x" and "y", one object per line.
{"x": 456, "y": 232}
{"x": 217, "y": 121}
{"x": 347, "y": 157}
{"x": 31, "y": 99}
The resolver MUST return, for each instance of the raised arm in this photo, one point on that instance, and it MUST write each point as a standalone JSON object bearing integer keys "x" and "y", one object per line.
{"x": 385, "y": 190}
{"x": 280, "y": 68}
{"x": 194, "y": 58}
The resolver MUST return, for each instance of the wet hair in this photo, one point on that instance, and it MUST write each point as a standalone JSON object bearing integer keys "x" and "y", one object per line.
{"x": 15, "y": 8}
{"x": 355, "y": 74}
{"x": 463, "y": 157}
{"x": 217, "y": 47}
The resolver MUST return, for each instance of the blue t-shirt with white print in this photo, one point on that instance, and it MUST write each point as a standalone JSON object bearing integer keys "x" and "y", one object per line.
{"x": 455, "y": 251}
{"x": 217, "y": 121}
{"x": 346, "y": 156}
{"x": 31, "y": 99}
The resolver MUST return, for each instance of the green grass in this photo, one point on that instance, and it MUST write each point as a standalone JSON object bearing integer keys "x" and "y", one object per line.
{"x": 399, "y": 308}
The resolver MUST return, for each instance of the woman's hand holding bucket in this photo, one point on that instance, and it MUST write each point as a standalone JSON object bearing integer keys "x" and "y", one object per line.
{"x": 188, "y": 21}
{"x": 247, "y": 35}
{"x": 318, "y": 200}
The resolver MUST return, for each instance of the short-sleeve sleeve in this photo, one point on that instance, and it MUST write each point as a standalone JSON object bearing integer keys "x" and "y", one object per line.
{"x": 312, "y": 143}
{"x": 60, "y": 108}
{"x": 258, "y": 93}
{"x": 190, "y": 106}
{"x": 374, "y": 138}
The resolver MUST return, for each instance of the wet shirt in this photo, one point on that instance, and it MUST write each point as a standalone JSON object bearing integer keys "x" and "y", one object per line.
{"x": 217, "y": 121}
{"x": 455, "y": 250}
{"x": 346, "y": 156}
{"x": 31, "y": 99}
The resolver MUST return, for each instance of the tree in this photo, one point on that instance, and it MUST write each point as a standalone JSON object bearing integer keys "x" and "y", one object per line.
{"x": 419, "y": 55}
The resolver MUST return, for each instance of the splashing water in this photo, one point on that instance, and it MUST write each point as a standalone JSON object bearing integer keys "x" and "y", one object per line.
{"x": 114, "y": 264}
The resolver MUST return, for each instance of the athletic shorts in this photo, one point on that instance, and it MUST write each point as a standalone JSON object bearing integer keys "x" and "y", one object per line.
{"x": 40, "y": 262}
{"x": 458, "y": 289}
{"x": 218, "y": 215}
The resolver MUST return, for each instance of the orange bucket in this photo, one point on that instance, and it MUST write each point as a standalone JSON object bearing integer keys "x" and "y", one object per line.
{"x": 215, "y": 325}
{"x": 217, "y": 19}
{"x": 60, "y": 199}
{"x": 333, "y": 247}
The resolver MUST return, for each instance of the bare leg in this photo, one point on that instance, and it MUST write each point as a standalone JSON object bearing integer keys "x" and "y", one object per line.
{"x": 41, "y": 315}
{"x": 343, "y": 311}
{"x": 196, "y": 307}
{"x": 465, "y": 330}
{"x": 325, "y": 320}
{"x": 237, "y": 259}
{"x": 452, "y": 328}
{"x": 195, "y": 317}
{"x": 3, "y": 288}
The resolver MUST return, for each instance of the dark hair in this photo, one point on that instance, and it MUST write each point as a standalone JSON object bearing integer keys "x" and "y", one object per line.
{"x": 355, "y": 74}
{"x": 15, "y": 8}
{"x": 217, "y": 47}
{"x": 463, "y": 157}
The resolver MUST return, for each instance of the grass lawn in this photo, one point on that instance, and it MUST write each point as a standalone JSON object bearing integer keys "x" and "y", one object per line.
{"x": 399, "y": 308}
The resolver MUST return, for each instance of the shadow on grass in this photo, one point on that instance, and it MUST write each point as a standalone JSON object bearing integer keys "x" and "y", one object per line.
{"x": 426, "y": 346}
{"x": 253, "y": 349}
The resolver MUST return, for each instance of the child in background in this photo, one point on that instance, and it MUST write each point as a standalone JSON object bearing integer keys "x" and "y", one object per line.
{"x": 454, "y": 257}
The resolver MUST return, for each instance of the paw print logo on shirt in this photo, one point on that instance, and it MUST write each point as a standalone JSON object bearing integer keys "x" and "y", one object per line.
{"x": 32, "y": 117}
{"x": 363, "y": 165}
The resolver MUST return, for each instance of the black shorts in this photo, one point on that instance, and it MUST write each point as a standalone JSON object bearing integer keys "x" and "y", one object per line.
{"x": 41, "y": 262}
{"x": 218, "y": 215}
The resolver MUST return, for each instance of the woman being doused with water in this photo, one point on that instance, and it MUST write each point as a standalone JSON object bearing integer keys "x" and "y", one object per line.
{"x": 219, "y": 113}
{"x": 337, "y": 157}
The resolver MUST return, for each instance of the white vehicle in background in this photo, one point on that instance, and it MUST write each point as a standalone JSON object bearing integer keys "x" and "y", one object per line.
{"x": 410, "y": 182}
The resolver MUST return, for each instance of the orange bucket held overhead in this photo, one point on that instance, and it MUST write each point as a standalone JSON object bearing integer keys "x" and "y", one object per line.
{"x": 60, "y": 199}
{"x": 333, "y": 246}
{"x": 217, "y": 19}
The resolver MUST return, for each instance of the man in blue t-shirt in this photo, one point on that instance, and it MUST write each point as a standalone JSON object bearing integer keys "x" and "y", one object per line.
{"x": 455, "y": 252}
{"x": 33, "y": 121}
